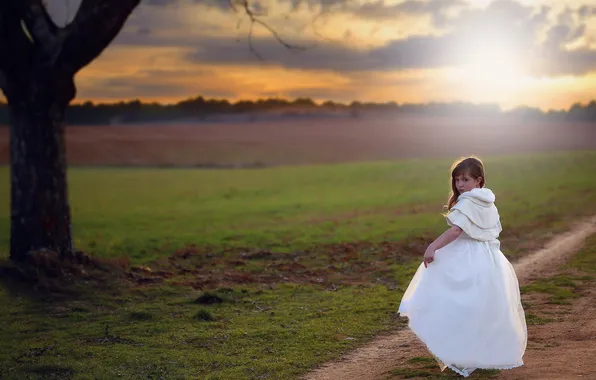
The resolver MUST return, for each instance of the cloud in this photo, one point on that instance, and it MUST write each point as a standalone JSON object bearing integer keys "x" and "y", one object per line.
{"x": 585, "y": 11}
{"x": 438, "y": 10}
{"x": 538, "y": 36}
{"x": 321, "y": 92}
{"x": 556, "y": 62}
{"x": 159, "y": 83}
{"x": 221, "y": 4}
{"x": 419, "y": 52}
{"x": 412, "y": 53}
{"x": 507, "y": 27}
{"x": 504, "y": 24}
{"x": 317, "y": 6}
{"x": 324, "y": 57}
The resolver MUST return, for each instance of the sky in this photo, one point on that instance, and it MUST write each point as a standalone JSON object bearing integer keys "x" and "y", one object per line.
{"x": 538, "y": 53}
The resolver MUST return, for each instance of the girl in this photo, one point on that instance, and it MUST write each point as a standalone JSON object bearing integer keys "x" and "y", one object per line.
{"x": 464, "y": 301}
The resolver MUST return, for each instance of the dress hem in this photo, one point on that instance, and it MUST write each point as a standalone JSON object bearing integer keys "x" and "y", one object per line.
{"x": 500, "y": 368}
{"x": 459, "y": 371}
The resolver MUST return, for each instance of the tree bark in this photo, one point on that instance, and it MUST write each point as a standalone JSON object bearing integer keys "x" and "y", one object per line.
{"x": 40, "y": 212}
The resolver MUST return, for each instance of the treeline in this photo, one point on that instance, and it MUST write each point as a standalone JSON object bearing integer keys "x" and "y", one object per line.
{"x": 200, "y": 108}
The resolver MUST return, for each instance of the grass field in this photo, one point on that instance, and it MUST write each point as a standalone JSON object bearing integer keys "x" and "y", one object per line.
{"x": 263, "y": 273}
{"x": 149, "y": 213}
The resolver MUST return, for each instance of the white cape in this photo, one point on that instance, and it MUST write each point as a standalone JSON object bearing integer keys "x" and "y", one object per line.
{"x": 466, "y": 305}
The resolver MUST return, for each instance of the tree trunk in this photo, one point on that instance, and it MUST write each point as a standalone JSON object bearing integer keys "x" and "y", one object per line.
{"x": 37, "y": 67}
{"x": 40, "y": 212}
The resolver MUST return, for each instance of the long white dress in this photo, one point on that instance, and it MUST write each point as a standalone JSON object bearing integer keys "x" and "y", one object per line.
{"x": 466, "y": 305}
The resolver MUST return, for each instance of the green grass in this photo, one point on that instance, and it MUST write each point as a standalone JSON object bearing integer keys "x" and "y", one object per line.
{"x": 585, "y": 261}
{"x": 561, "y": 288}
{"x": 278, "y": 329}
{"x": 278, "y": 333}
{"x": 572, "y": 278}
{"x": 533, "y": 319}
{"x": 145, "y": 214}
{"x": 295, "y": 208}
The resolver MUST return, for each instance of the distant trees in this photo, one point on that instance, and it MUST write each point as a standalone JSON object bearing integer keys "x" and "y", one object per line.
{"x": 202, "y": 108}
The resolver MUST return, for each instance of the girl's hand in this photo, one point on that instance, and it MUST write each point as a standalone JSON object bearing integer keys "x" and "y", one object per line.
{"x": 429, "y": 257}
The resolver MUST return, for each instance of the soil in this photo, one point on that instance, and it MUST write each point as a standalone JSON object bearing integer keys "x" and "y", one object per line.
{"x": 297, "y": 142}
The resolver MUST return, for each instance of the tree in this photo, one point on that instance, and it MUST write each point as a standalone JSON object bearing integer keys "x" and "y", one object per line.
{"x": 37, "y": 67}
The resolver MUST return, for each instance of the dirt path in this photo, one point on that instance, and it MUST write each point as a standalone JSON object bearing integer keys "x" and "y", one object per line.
{"x": 387, "y": 352}
{"x": 563, "y": 349}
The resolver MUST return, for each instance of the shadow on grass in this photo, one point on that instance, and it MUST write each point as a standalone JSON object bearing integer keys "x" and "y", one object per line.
{"x": 46, "y": 276}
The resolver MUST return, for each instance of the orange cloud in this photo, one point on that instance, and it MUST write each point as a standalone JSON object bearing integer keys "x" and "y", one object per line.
{"x": 404, "y": 51}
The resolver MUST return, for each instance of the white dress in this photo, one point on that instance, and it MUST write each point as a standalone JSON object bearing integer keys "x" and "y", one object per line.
{"x": 466, "y": 305}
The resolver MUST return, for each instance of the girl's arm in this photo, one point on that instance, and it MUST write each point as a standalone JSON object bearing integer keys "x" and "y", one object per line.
{"x": 445, "y": 238}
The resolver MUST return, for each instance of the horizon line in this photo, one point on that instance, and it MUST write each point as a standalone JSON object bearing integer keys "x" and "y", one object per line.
{"x": 317, "y": 102}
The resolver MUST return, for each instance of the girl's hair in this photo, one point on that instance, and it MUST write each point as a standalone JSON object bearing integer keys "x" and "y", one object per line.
{"x": 471, "y": 166}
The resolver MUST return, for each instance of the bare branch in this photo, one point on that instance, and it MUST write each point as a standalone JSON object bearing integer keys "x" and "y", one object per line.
{"x": 253, "y": 17}
{"x": 95, "y": 25}
{"x": 277, "y": 37}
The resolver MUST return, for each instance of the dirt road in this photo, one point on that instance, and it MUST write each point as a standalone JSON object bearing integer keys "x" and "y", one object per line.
{"x": 561, "y": 350}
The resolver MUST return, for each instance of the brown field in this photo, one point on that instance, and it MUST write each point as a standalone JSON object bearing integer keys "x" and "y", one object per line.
{"x": 290, "y": 142}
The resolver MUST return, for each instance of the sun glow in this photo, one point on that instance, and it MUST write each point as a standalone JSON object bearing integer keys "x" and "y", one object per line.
{"x": 489, "y": 67}
{"x": 492, "y": 68}
{"x": 482, "y": 3}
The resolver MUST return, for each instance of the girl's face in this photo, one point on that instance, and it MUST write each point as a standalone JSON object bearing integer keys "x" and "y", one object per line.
{"x": 464, "y": 182}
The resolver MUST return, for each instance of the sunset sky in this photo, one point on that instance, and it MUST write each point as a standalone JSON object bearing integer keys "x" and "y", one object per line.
{"x": 539, "y": 53}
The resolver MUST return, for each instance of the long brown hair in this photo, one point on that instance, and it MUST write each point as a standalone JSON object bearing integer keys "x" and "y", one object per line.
{"x": 471, "y": 166}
